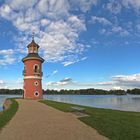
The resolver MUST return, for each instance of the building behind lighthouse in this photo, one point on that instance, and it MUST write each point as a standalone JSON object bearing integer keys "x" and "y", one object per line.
{"x": 32, "y": 72}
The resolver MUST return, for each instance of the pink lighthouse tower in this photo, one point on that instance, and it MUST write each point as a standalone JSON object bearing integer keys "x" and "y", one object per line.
{"x": 32, "y": 72}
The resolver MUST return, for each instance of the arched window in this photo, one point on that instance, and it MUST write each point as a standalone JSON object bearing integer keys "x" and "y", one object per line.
{"x": 36, "y": 68}
{"x": 30, "y": 49}
{"x": 35, "y": 49}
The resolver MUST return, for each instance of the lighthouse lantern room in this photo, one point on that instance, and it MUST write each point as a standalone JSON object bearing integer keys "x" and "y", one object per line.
{"x": 32, "y": 72}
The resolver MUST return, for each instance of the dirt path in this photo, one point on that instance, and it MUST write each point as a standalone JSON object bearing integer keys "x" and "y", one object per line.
{"x": 37, "y": 121}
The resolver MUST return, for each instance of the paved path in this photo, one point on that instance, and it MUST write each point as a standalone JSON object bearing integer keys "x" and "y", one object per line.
{"x": 37, "y": 121}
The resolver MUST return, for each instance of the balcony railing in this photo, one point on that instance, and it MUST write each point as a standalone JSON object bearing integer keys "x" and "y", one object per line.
{"x": 36, "y": 73}
{"x": 23, "y": 72}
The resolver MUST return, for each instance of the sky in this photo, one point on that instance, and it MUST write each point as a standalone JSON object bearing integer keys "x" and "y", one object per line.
{"x": 85, "y": 43}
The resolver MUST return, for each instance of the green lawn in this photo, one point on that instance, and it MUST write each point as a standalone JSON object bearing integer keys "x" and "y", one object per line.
{"x": 6, "y": 115}
{"x": 116, "y": 125}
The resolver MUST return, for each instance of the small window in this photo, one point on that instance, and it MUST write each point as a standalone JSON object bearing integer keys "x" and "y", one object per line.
{"x": 36, "y": 93}
{"x": 36, "y": 68}
{"x": 30, "y": 50}
{"x": 35, "y": 49}
{"x": 36, "y": 83}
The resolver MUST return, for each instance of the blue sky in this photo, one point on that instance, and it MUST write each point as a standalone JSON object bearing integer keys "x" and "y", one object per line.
{"x": 85, "y": 43}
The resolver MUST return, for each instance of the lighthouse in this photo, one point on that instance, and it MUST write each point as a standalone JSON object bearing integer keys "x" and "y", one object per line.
{"x": 32, "y": 72}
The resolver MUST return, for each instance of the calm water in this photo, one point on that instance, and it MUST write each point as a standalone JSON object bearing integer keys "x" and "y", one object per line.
{"x": 3, "y": 97}
{"x": 126, "y": 102}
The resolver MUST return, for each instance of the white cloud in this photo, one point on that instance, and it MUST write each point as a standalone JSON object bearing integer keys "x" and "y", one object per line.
{"x": 76, "y": 23}
{"x": 84, "y": 58}
{"x": 120, "y": 30}
{"x": 117, "y": 82}
{"x": 103, "y": 31}
{"x": 45, "y": 22}
{"x": 54, "y": 72}
{"x": 105, "y": 83}
{"x": 133, "y": 3}
{"x": 100, "y": 20}
{"x": 5, "y": 10}
{"x": 123, "y": 81}
{"x": 83, "y": 5}
{"x": 117, "y": 88}
{"x": 114, "y": 6}
{"x": 21, "y": 4}
{"x": 69, "y": 83}
{"x": 6, "y": 57}
{"x": 2, "y": 84}
{"x": 115, "y": 30}
{"x": 6, "y": 52}
{"x": 67, "y": 63}
{"x": 12, "y": 84}
{"x": 53, "y": 8}
{"x": 63, "y": 82}
{"x": 57, "y": 30}
{"x": 128, "y": 80}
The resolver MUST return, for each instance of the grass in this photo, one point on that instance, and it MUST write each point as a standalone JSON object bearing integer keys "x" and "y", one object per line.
{"x": 6, "y": 115}
{"x": 116, "y": 125}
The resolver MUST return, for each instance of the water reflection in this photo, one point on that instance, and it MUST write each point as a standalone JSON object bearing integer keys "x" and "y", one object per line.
{"x": 126, "y": 102}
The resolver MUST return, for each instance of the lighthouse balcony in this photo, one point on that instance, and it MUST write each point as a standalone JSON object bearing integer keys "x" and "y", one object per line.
{"x": 23, "y": 72}
{"x": 38, "y": 73}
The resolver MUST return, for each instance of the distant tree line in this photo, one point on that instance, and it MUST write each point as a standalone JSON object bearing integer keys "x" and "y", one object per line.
{"x": 77, "y": 92}
{"x": 133, "y": 91}
{"x": 11, "y": 91}
{"x": 86, "y": 92}
{"x": 93, "y": 91}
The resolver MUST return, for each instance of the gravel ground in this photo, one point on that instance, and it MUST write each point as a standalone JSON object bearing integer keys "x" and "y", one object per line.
{"x": 37, "y": 121}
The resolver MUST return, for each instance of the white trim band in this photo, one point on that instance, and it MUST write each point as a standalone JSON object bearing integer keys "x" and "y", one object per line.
{"x": 33, "y": 77}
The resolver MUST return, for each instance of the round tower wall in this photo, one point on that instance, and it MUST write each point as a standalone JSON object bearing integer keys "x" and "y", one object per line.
{"x": 33, "y": 79}
{"x": 29, "y": 66}
{"x": 33, "y": 89}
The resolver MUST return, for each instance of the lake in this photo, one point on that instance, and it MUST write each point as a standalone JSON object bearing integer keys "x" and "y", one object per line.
{"x": 124, "y": 102}
{"x": 3, "y": 97}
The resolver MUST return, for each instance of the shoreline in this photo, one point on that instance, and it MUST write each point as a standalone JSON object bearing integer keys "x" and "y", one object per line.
{"x": 10, "y": 108}
{"x": 7, "y": 103}
{"x": 72, "y": 94}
